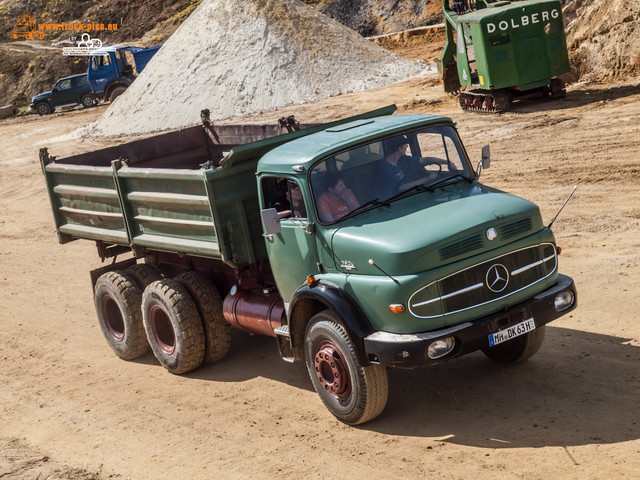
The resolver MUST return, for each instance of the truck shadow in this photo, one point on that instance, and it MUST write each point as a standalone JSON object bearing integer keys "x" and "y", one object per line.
{"x": 575, "y": 98}
{"x": 253, "y": 356}
{"x": 581, "y": 388}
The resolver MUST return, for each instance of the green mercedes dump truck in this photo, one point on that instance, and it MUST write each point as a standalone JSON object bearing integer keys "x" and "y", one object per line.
{"x": 502, "y": 50}
{"x": 359, "y": 245}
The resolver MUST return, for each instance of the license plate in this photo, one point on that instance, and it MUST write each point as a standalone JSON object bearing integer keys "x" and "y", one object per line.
{"x": 512, "y": 332}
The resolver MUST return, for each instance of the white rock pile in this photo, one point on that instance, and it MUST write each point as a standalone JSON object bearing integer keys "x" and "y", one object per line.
{"x": 239, "y": 57}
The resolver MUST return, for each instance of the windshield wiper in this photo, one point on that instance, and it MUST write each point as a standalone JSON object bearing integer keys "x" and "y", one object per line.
{"x": 418, "y": 188}
{"x": 375, "y": 202}
{"x": 439, "y": 183}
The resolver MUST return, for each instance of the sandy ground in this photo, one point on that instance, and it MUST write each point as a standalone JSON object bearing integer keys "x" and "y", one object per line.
{"x": 70, "y": 409}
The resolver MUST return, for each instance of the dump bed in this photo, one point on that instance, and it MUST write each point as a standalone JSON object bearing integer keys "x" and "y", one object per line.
{"x": 191, "y": 191}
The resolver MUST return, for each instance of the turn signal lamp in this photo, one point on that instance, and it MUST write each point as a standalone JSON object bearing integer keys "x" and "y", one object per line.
{"x": 396, "y": 308}
{"x": 311, "y": 281}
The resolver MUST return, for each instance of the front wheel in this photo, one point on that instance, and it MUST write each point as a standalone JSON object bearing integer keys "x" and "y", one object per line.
{"x": 44, "y": 108}
{"x": 116, "y": 93}
{"x": 518, "y": 349}
{"x": 353, "y": 393}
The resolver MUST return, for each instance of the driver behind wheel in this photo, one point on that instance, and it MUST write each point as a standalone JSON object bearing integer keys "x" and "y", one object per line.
{"x": 395, "y": 168}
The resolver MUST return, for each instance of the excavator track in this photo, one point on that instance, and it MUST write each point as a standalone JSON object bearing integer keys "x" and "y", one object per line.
{"x": 484, "y": 101}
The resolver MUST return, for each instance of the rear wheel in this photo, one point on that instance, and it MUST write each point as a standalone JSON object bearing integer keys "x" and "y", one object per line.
{"x": 115, "y": 93}
{"x": 353, "y": 393}
{"x": 217, "y": 331}
{"x": 173, "y": 326}
{"x": 144, "y": 274}
{"x": 518, "y": 349}
{"x": 87, "y": 101}
{"x": 43, "y": 108}
{"x": 117, "y": 299}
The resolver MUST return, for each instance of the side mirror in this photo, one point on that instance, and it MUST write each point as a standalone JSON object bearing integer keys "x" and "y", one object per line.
{"x": 485, "y": 162}
{"x": 271, "y": 222}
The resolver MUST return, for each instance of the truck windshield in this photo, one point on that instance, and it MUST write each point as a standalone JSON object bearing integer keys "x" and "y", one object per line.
{"x": 378, "y": 171}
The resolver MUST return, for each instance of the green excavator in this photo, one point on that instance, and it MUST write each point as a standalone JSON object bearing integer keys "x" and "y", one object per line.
{"x": 503, "y": 50}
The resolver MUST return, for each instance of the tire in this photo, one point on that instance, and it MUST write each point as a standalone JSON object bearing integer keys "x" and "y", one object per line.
{"x": 217, "y": 332}
{"x": 173, "y": 326}
{"x": 87, "y": 101}
{"x": 115, "y": 93}
{"x": 353, "y": 393}
{"x": 557, "y": 88}
{"x": 144, "y": 274}
{"x": 43, "y": 108}
{"x": 518, "y": 349}
{"x": 118, "y": 299}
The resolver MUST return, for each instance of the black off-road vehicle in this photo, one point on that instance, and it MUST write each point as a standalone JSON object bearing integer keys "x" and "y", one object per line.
{"x": 67, "y": 92}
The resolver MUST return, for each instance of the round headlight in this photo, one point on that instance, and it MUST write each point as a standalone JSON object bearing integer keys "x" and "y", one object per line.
{"x": 564, "y": 300}
{"x": 441, "y": 347}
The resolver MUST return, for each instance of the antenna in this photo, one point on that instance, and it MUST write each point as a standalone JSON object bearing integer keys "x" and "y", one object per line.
{"x": 371, "y": 262}
{"x": 562, "y": 207}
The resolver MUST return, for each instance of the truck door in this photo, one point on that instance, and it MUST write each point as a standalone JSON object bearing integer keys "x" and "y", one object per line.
{"x": 102, "y": 68}
{"x": 292, "y": 252}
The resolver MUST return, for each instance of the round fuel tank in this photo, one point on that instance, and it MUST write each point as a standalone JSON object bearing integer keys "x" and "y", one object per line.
{"x": 257, "y": 313}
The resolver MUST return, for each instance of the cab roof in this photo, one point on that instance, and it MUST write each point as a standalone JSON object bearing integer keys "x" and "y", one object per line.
{"x": 306, "y": 150}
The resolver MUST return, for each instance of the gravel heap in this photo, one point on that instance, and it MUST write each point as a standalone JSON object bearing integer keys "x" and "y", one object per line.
{"x": 239, "y": 57}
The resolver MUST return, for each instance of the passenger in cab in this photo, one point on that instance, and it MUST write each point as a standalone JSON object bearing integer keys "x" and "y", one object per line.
{"x": 337, "y": 200}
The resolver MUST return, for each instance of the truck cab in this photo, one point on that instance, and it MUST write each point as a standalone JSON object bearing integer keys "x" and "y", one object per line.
{"x": 423, "y": 243}
{"x": 113, "y": 68}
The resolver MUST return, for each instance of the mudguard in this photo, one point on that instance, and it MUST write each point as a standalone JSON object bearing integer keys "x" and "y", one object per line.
{"x": 340, "y": 303}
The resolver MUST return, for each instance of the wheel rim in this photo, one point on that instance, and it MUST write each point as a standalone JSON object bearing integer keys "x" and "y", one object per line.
{"x": 42, "y": 108}
{"x": 87, "y": 102}
{"x": 332, "y": 371}
{"x": 113, "y": 317}
{"x": 162, "y": 329}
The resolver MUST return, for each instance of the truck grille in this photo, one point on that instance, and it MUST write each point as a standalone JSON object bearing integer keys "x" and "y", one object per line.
{"x": 485, "y": 282}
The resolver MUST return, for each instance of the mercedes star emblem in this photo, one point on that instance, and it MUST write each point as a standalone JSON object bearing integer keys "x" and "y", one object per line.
{"x": 497, "y": 278}
{"x": 491, "y": 234}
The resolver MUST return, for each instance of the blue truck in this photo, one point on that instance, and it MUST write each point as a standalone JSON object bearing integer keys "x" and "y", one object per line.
{"x": 113, "y": 68}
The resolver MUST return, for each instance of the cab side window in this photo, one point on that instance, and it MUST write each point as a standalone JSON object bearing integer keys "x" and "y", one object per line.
{"x": 63, "y": 85}
{"x": 285, "y": 196}
{"x": 81, "y": 82}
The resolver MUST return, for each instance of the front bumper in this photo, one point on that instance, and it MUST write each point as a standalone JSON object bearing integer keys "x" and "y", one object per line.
{"x": 410, "y": 350}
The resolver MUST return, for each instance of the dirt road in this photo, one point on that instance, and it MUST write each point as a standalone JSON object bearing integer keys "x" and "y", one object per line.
{"x": 71, "y": 410}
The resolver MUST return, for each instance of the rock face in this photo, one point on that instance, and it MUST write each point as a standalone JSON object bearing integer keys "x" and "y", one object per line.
{"x": 379, "y": 17}
{"x": 238, "y": 57}
{"x": 603, "y": 39}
